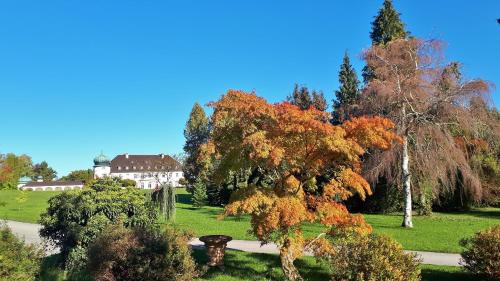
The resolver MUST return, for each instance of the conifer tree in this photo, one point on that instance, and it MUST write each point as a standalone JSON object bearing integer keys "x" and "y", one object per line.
{"x": 196, "y": 134}
{"x": 348, "y": 92}
{"x": 200, "y": 198}
{"x": 304, "y": 100}
{"x": 387, "y": 25}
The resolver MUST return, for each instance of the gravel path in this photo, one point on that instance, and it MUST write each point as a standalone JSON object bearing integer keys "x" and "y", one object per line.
{"x": 29, "y": 232}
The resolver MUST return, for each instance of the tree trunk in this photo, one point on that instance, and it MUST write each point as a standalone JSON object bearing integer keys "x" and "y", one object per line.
{"x": 290, "y": 271}
{"x": 407, "y": 221}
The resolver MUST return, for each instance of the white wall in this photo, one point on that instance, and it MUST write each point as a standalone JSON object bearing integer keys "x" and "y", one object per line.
{"x": 150, "y": 180}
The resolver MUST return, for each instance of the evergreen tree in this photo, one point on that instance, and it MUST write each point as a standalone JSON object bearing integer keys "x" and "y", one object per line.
{"x": 200, "y": 198}
{"x": 196, "y": 133}
{"x": 304, "y": 100}
{"x": 44, "y": 171}
{"x": 387, "y": 25}
{"x": 348, "y": 92}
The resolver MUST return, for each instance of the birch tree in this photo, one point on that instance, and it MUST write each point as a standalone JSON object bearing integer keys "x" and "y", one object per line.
{"x": 425, "y": 98}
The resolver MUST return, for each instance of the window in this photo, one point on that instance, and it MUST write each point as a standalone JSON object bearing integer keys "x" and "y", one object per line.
{"x": 119, "y": 168}
{"x": 149, "y": 184}
{"x": 133, "y": 168}
{"x": 142, "y": 167}
{"x": 126, "y": 167}
{"x": 176, "y": 175}
{"x": 136, "y": 176}
{"x": 142, "y": 184}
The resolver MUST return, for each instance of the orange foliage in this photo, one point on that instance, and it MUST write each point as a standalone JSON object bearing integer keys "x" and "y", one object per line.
{"x": 294, "y": 147}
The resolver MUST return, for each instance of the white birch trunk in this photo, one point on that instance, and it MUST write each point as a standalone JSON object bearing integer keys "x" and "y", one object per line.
{"x": 407, "y": 221}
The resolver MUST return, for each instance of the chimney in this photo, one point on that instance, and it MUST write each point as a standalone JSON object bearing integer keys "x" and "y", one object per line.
{"x": 126, "y": 155}
{"x": 162, "y": 155}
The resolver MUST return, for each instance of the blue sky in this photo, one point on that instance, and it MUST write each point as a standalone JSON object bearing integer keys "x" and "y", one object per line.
{"x": 78, "y": 77}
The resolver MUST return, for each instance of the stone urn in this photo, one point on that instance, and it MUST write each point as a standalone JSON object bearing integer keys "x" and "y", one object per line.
{"x": 216, "y": 248}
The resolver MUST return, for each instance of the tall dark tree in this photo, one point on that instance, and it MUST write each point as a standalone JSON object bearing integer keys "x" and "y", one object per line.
{"x": 85, "y": 176}
{"x": 196, "y": 134}
{"x": 302, "y": 98}
{"x": 387, "y": 25}
{"x": 348, "y": 92}
{"x": 44, "y": 171}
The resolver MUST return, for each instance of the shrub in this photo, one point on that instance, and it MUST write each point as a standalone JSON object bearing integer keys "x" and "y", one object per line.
{"x": 482, "y": 253}
{"x": 74, "y": 218}
{"x": 18, "y": 262}
{"x": 370, "y": 258}
{"x": 141, "y": 254}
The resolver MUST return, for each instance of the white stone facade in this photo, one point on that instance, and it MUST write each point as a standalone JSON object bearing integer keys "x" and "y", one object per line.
{"x": 148, "y": 171}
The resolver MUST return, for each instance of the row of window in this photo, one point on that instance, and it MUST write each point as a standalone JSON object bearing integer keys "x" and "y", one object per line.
{"x": 140, "y": 168}
{"x": 136, "y": 176}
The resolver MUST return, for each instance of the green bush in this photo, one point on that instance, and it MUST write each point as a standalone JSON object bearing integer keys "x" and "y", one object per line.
{"x": 371, "y": 258}
{"x": 141, "y": 254}
{"x": 482, "y": 253}
{"x": 18, "y": 262}
{"x": 74, "y": 218}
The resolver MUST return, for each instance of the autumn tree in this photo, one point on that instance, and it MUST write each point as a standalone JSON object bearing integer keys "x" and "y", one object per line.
{"x": 44, "y": 171}
{"x": 307, "y": 167}
{"x": 196, "y": 133}
{"x": 347, "y": 94}
{"x": 12, "y": 168}
{"x": 423, "y": 98}
{"x": 302, "y": 98}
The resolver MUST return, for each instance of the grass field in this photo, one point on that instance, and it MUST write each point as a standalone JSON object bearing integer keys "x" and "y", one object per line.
{"x": 439, "y": 232}
{"x": 256, "y": 267}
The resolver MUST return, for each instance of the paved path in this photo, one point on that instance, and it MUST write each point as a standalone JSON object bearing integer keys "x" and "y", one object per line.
{"x": 29, "y": 232}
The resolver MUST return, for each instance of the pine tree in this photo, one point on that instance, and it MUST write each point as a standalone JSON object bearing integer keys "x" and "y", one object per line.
{"x": 387, "y": 25}
{"x": 196, "y": 134}
{"x": 348, "y": 92}
{"x": 304, "y": 100}
{"x": 199, "y": 194}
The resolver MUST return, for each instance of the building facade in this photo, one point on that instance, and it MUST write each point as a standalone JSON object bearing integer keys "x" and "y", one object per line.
{"x": 51, "y": 185}
{"x": 148, "y": 171}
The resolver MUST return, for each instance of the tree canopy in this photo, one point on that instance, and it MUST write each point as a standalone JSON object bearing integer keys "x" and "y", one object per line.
{"x": 43, "y": 171}
{"x": 348, "y": 93}
{"x": 196, "y": 134}
{"x": 311, "y": 164}
{"x": 387, "y": 25}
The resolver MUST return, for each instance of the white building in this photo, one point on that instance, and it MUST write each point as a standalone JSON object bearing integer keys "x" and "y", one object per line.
{"x": 50, "y": 185}
{"x": 148, "y": 171}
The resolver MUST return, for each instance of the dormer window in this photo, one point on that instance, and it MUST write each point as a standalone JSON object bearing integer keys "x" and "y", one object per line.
{"x": 133, "y": 168}
{"x": 126, "y": 167}
{"x": 142, "y": 167}
{"x": 119, "y": 168}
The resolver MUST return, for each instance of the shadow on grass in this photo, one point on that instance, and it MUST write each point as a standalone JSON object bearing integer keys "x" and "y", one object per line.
{"x": 253, "y": 266}
{"x": 432, "y": 273}
{"x": 184, "y": 198}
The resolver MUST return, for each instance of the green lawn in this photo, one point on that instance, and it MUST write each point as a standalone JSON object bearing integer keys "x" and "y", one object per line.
{"x": 255, "y": 267}
{"x": 439, "y": 232}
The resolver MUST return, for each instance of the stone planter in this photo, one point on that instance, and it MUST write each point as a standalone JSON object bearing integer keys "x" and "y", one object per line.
{"x": 216, "y": 248}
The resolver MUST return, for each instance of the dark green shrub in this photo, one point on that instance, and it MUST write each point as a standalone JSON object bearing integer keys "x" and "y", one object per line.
{"x": 141, "y": 254}
{"x": 74, "y": 218}
{"x": 18, "y": 262}
{"x": 370, "y": 258}
{"x": 482, "y": 253}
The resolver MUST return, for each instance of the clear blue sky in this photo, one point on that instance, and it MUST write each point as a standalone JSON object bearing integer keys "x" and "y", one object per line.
{"x": 78, "y": 77}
